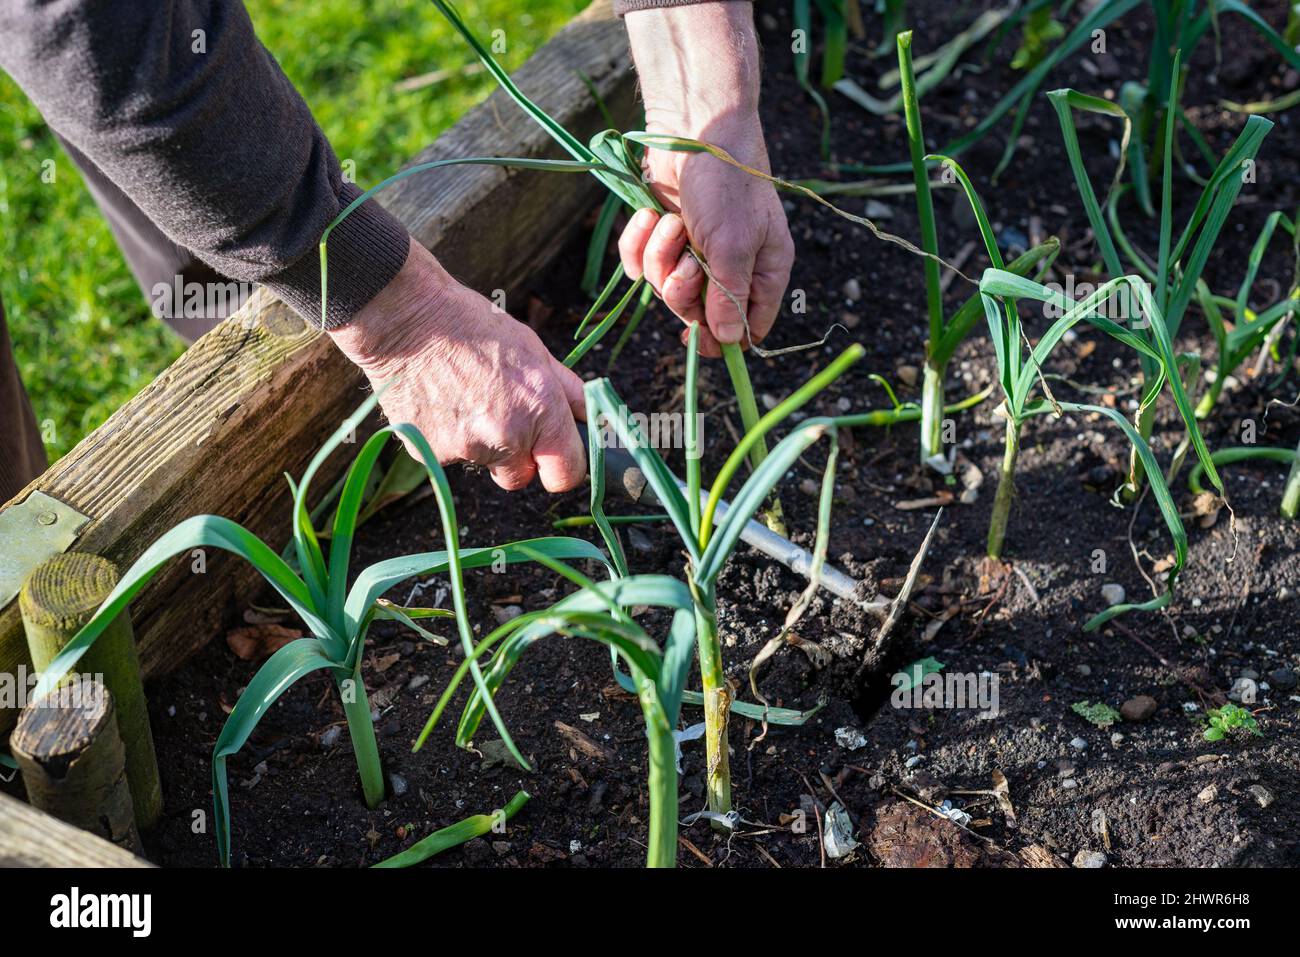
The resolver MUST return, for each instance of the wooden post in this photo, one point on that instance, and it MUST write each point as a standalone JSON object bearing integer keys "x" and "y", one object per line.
{"x": 59, "y": 598}
{"x": 73, "y": 764}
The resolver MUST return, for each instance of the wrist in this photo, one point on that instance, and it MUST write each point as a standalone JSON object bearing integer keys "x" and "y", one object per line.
{"x": 406, "y": 318}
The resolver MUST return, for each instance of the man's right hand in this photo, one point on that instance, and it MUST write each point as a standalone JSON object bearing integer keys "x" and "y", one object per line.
{"x": 477, "y": 383}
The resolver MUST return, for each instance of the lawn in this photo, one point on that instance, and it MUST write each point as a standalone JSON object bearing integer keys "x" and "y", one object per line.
{"x": 85, "y": 339}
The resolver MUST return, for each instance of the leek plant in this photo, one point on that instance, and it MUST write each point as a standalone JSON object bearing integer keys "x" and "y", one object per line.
{"x": 1020, "y": 96}
{"x": 1020, "y": 375}
{"x": 836, "y": 44}
{"x": 602, "y": 611}
{"x": 802, "y": 68}
{"x": 1180, "y": 25}
{"x": 1156, "y": 107}
{"x": 709, "y": 534}
{"x": 338, "y": 617}
{"x": 1175, "y": 273}
{"x": 1250, "y": 330}
{"x": 944, "y": 335}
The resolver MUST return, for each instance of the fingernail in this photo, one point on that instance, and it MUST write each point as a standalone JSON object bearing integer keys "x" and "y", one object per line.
{"x": 644, "y": 218}
{"x": 672, "y": 226}
{"x": 729, "y": 332}
{"x": 687, "y": 269}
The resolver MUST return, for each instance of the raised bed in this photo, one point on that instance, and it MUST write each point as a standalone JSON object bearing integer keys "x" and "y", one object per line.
{"x": 1160, "y": 795}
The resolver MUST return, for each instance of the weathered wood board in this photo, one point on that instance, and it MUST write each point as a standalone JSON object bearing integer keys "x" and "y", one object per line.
{"x": 30, "y": 838}
{"x": 256, "y": 396}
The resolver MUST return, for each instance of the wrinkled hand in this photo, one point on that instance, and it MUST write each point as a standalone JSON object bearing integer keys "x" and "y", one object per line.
{"x": 698, "y": 69}
{"x": 478, "y": 384}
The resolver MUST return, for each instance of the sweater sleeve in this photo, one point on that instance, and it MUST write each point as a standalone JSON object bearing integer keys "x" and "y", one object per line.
{"x": 181, "y": 106}
{"x": 623, "y": 7}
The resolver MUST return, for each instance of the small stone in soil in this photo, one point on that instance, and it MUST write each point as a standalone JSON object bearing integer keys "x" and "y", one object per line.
{"x": 1208, "y": 794}
{"x": 1116, "y": 739}
{"x": 850, "y": 738}
{"x": 1263, "y": 796}
{"x": 419, "y": 681}
{"x": 397, "y": 784}
{"x": 852, "y": 290}
{"x": 1283, "y": 679}
{"x": 1090, "y": 859}
{"x": 1079, "y": 744}
{"x": 640, "y": 541}
{"x": 330, "y": 737}
{"x": 1138, "y": 708}
{"x": 1112, "y": 593}
{"x": 505, "y": 613}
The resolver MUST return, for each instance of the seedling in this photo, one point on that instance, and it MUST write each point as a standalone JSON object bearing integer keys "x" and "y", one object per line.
{"x": 1223, "y": 722}
{"x": 1100, "y": 714}
{"x": 1038, "y": 32}
{"x": 337, "y": 616}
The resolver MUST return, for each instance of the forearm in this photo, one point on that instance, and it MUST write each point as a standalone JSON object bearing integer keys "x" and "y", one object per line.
{"x": 698, "y": 64}
{"x": 180, "y": 105}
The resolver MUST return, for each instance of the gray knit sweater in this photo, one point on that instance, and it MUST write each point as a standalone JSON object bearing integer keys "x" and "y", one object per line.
{"x": 180, "y": 105}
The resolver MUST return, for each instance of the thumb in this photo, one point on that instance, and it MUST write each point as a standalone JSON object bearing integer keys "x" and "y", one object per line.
{"x": 571, "y": 383}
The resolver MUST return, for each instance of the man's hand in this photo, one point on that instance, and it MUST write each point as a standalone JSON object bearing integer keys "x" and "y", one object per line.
{"x": 698, "y": 67}
{"x": 479, "y": 385}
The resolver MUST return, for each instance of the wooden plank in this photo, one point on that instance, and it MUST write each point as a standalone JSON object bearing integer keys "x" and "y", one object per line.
{"x": 30, "y": 838}
{"x": 256, "y": 396}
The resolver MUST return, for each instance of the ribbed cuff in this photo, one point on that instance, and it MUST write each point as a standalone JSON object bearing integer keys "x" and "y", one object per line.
{"x": 622, "y": 7}
{"x": 365, "y": 252}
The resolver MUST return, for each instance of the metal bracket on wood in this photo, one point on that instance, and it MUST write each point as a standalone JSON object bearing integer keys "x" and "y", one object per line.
{"x": 31, "y": 532}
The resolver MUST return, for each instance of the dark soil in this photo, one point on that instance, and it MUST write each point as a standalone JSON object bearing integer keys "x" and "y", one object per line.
{"x": 1161, "y": 796}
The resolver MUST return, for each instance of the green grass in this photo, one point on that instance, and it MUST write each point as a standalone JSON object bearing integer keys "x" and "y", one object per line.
{"x": 83, "y": 334}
